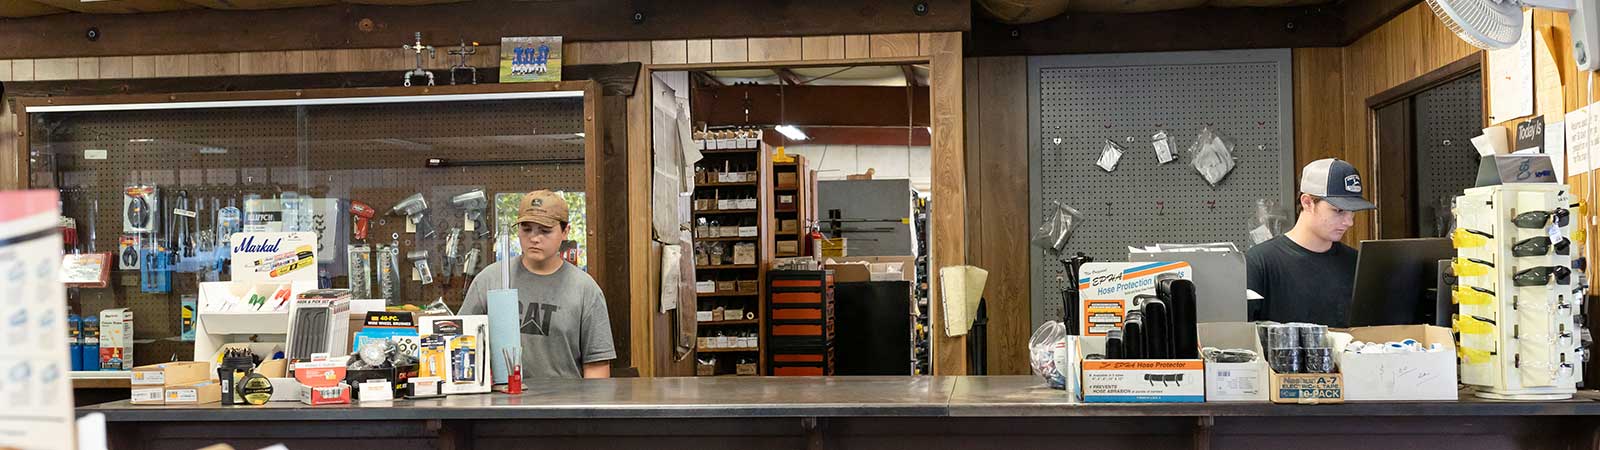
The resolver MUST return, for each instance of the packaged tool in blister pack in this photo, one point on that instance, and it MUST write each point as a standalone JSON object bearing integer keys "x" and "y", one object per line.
{"x": 360, "y": 268}
{"x": 128, "y": 257}
{"x": 388, "y": 272}
{"x": 454, "y": 349}
{"x": 141, "y": 206}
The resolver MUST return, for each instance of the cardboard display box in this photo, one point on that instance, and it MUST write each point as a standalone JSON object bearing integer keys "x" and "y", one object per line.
{"x": 1107, "y": 289}
{"x": 398, "y": 378}
{"x": 1401, "y": 376}
{"x": 1140, "y": 380}
{"x": 1233, "y": 382}
{"x": 456, "y": 349}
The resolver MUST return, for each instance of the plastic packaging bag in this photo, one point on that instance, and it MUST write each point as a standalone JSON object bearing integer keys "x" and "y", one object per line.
{"x": 1269, "y": 221}
{"x": 1110, "y": 154}
{"x": 1212, "y": 155}
{"x": 1053, "y": 234}
{"x": 1043, "y": 349}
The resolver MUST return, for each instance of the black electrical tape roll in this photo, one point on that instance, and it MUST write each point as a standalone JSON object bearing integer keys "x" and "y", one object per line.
{"x": 1181, "y": 300}
{"x": 1157, "y": 324}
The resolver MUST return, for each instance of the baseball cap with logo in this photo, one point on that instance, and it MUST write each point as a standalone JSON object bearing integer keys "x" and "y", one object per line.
{"x": 1335, "y": 181}
{"x": 543, "y": 208}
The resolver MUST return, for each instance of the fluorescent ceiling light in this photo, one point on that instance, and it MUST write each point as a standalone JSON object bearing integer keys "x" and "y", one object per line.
{"x": 789, "y": 131}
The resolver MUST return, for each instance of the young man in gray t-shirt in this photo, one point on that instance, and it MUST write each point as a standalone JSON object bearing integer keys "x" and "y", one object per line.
{"x": 566, "y": 332}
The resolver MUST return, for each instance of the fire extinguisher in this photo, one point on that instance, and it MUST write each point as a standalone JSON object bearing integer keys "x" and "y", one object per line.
{"x": 814, "y": 239}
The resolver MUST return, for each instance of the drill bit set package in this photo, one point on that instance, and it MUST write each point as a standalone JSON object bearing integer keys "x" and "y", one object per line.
{"x": 455, "y": 349}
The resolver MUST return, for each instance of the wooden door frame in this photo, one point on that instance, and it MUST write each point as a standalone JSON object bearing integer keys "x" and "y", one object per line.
{"x": 947, "y": 238}
{"x": 1405, "y": 91}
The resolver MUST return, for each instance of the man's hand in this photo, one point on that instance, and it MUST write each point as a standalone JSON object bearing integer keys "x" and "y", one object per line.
{"x": 597, "y": 369}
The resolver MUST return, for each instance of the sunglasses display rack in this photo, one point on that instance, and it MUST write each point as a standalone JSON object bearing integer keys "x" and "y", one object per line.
{"x": 1517, "y": 295}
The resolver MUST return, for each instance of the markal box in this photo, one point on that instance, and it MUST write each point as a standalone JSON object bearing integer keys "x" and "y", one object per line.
{"x": 1401, "y": 376}
{"x": 1233, "y": 382}
{"x": 1139, "y": 380}
{"x": 1107, "y": 288}
{"x": 170, "y": 374}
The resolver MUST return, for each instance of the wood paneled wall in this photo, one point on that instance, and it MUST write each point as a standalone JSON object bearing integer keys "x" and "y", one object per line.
{"x": 997, "y": 216}
{"x": 941, "y": 50}
{"x": 1332, "y": 86}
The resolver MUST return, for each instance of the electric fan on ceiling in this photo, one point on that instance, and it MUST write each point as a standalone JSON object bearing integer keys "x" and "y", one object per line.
{"x": 1497, "y": 24}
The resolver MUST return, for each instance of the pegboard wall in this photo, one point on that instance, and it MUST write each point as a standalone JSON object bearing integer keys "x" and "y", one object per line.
{"x": 1078, "y": 102}
{"x": 1448, "y": 116}
{"x": 374, "y": 153}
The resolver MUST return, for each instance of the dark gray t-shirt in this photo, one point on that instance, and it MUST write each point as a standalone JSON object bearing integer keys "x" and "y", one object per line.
{"x": 564, "y": 319}
{"x": 1301, "y": 285}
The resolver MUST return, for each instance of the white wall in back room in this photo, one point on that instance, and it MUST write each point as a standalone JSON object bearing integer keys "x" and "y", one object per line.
{"x": 833, "y": 162}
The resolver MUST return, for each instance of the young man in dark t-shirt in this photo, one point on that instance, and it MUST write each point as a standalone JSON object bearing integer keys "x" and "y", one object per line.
{"x": 1306, "y": 275}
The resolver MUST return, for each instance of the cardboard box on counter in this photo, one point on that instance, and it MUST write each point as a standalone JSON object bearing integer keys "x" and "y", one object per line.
{"x": 1401, "y": 376}
{"x": 1233, "y": 382}
{"x": 194, "y": 394}
{"x": 1139, "y": 380}
{"x": 1306, "y": 388}
{"x": 871, "y": 268}
{"x": 338, "y": 394}
{"x": 171, "y": 374}
{"x": 398, "y": 378}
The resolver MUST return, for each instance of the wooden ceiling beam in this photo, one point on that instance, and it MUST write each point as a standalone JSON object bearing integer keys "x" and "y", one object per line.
{"x": 1330, "y": 25}
{"x": 872, "y": 106}
{"x": 369, "y": 26}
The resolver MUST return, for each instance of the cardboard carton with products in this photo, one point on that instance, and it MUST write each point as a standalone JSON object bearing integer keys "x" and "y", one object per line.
{"x": 1233, "y": 381}
{"x": 170, "y": 374}
{"x": 322, "y": 382}
{"x": 872, "y": 268}
{"x": 199, "y": 393}
{"x": 1427, "y": 372}
{"x": 1293, "y": 380}
{"x": 1139, "y": 380}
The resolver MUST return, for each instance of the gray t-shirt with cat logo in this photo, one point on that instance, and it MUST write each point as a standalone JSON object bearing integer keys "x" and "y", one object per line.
{"x": 564, "y": 319}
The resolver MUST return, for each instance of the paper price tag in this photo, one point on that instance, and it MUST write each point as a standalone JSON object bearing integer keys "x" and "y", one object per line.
{"x": 411, "y": 228}
{"x": 184, "y": 212}
{"x": 1260, "y": 234}
{"x": 1163, "y": 148}
{"x": 467, "y": 223}
{"x": 94, "y": 154}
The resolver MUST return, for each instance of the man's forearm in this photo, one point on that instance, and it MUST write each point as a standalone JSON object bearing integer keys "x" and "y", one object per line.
{"x": 597, "y": 369}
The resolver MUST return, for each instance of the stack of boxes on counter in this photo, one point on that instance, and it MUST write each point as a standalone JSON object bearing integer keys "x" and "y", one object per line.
{"x": 801, "y": 330}
{"x": 1140, "y": 343}
{"x": 271, "y": 336}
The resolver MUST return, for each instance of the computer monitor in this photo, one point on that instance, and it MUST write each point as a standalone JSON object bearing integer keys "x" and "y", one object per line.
{"x": 1396, "y": 282}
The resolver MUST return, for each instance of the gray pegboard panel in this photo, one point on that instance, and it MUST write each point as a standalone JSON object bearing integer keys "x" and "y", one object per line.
{"x": 1448, "y": 116}
{"x": 1083, "y": 100}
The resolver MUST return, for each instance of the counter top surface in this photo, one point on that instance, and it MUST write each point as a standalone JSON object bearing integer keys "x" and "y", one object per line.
{"x": 968, "y": 396}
